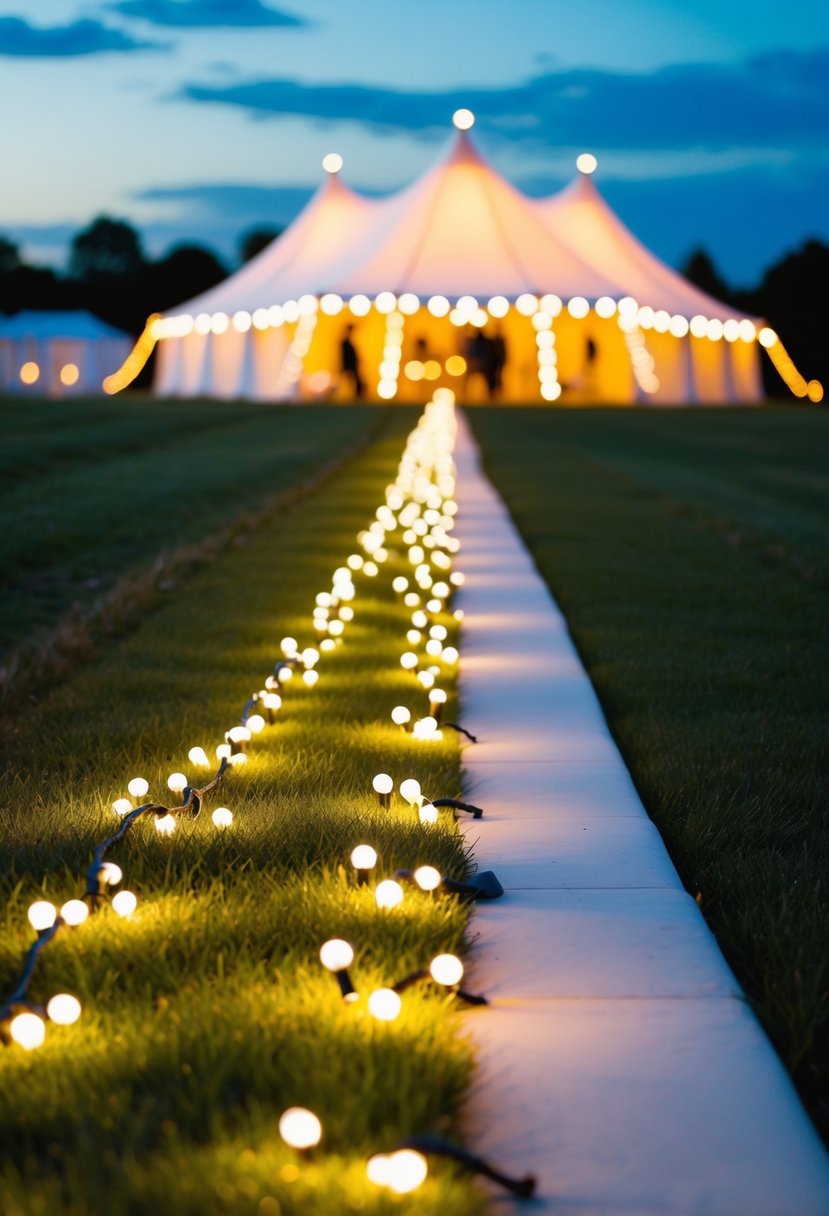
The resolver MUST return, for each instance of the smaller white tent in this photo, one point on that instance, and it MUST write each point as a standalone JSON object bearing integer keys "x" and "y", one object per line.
{"x": 58, "y": 354}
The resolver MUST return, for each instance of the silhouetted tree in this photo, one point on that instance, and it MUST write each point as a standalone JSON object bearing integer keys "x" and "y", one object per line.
{"x": 9, "y": 256}
{"x": 107, "y": 247}
{"x": 184, "y": 272}
{"x": 254, "y": 241}
{"x": 792, "y": 298}
{"x": 701, "y": 271}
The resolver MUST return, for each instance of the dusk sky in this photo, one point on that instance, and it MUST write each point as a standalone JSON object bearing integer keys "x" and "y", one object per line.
{"x": 199, "y": 119}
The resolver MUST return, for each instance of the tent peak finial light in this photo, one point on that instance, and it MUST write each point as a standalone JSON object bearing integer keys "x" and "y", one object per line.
{"x": 586, "y": 163}
{"x": 332, "y": 162}
{"x": 463, "y": 119}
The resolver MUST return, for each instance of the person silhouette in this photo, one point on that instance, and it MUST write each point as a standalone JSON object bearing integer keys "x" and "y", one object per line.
{"x": 499, "y": 359}
{"x": 350, "y": 362}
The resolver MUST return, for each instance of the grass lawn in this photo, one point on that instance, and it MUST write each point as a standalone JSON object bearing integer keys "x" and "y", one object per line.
{"x": 688, "y": 550}
{"x": 208, "y": 1013}
{"x": 91, "y": 489}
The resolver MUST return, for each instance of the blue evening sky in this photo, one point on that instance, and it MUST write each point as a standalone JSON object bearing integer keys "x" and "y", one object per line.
{"x": 198, "y": 119}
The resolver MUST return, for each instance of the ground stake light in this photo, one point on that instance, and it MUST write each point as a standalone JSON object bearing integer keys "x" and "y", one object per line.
{"x": 434, "y": 1146}
{"x": 337, "y": 956}
{"x": 447, "y": 971}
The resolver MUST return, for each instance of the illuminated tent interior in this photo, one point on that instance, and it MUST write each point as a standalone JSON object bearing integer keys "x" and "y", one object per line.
{"x": 583, "y": 311}
{"x": 58, "y": 354}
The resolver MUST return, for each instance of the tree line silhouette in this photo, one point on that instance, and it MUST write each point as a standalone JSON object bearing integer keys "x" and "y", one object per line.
{"x": 109, "y": 274}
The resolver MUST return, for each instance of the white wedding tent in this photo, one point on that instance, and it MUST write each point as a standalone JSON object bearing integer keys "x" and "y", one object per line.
{"x": 582, "y": 312}
{"x": 58, "y": 354}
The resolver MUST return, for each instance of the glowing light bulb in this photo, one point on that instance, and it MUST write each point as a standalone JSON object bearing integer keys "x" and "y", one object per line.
{"x": 27, "y": 1030}
{"x": 384, "y": 1004}
{"x": 586, "y": 163}
{"x": 388, "y": 893}
{"x": 222, "y": 817}
{"x": 197, "y": 755}
{"x": 407, "y": 1170}
{"x": 427, "y": 878}
{"x": 74, "y": 912}
{"x": 64, "y": 1009}
{"x": 446, "y": 969}
{"x": 449, "y": 654}
{"x": 138, "y": 787}
{"x": 377, "y": 1169}
{"x": 383, "y": 785}
{"x": 110, "y": 873}
{"x": 310, "y": 677}
{"x": 408, "y": 660}
{"x": 165, "y": 825}
{"x": 42, "y": 915}
{"x": 288, "y": 646}
{"x": 176, "y": 782}
{"x": 223, "y": 751}
{"x": 428, "y": 813}
{"x": 300, "y": 1128}
{"x": 122, "y": 806}
{"x": 427, "y": 728}
{"x": 124, "y": 903}
{"x": 463, "y": 119}
{"x": 336, "y": 954}
{"x": 332, "y": 162}
{"x": 400, "y": 715}
{"x": 363, "y": 858}
{"x": 410, "y": 791}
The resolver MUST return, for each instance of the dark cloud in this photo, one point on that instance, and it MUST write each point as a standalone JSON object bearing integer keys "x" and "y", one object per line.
{"x": 778, "y": 98}
{"x": 84, "y": 37}
{"x": 207, "y": 14}
{"x": 240, "y": 202}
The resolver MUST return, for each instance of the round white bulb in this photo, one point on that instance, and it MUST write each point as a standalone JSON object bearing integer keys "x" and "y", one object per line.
{"x": 446, "y": 969}
{"x": 586, "y": 163}
{"x": 222, "y": 817}
{"x": 332, "y": 162}
{"x": 165, "y": 825}
{"x": 428, "y": 813}
{"x": 288, "y": 646}
{"x": 238, "y": 734}
{"x": 382, "y": 784}
{"x": 408, "y": 660}
{"x": 377, "y": 1169}
{"x": 410, "y": 791}
{"x": 122, "y": 806}
{"x": 28, "y": 1030}
{"x": 384, "y": 1004}
{"x": 256, "y": 723}
{"x": 42, "y": 915}
{"x": 463, "y": 119}
{"x": 238, "y": 760}
{"x": 223, "y": 751}
{"x": 111, "y": 873}
{"x": 310, "y": 677}
{"x": 336, "y": 954}
{"x": 364, "y": 857}
{"x": 138, "y": 787}
{"x": 300, "y": 1128}
{"x": 400, "y": 715}
{"x": 197, "y": 755}
{"x": 449, "y": 654}
{"x": 427, "y": 878}
{"x": 176, "y": 782}
{"x": 64, "y": 1009}
{"x": 437, "y": 696}
{"x": 426, "y": 679}
{"x": 388, "y": 894}
{"x": 74, "y": 912}
{"x": 400, "y": 584}
{"x": 124, "y": 903}
{"x": 406, "y": 1171}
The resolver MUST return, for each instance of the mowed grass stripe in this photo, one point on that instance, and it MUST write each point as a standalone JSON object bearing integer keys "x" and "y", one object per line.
{"x": 118, "y": 493}
{"x": 210, "y": 1013}
{"x": 682, "y": 548}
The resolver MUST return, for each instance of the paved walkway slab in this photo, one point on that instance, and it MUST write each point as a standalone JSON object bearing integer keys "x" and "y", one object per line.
{"x": 619, "y": 1060}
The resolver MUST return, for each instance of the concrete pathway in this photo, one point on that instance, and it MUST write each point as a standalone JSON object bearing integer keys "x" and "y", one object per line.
{"x": 619, "y": 1060}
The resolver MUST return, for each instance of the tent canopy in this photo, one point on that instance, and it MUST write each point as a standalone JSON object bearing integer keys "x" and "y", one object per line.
{"x": 48, "y": 326}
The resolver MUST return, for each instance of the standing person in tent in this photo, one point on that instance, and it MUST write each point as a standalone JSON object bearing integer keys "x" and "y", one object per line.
{"x": 350, "y": 362}
{"x": 499, "y": 358}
